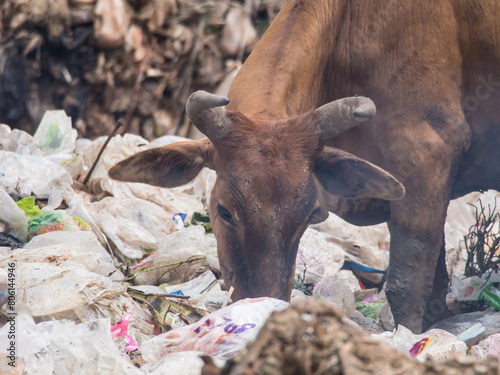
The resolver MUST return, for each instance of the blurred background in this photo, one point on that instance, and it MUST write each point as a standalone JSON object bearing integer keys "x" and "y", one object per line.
{"x": 101, "y": 60}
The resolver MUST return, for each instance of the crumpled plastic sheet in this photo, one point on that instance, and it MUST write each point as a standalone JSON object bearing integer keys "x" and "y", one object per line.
{"x": 134, "y": 225}
{"x": 23, "y": 175}
{"x": 55, "y": 287}
{"x": 63, "y": 347}
{"x": 181, "y": 245}
{"x": 333, "y": 291}
{"x": 79, "y": 247}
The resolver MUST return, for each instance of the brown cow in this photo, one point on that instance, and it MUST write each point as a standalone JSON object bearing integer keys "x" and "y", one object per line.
{"x": 431, "y": 68}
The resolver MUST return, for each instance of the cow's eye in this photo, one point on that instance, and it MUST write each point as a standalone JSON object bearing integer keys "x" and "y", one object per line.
{"x": 225, "y": 214}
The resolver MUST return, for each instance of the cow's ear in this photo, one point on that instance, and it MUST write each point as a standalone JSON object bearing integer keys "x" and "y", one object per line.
{"x": 168, "y": 166}
{"x": 346, "y": 175}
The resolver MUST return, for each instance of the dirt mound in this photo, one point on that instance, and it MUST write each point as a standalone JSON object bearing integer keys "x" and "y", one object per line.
{"x": 100, "y": 60}
{"x": 314, "y": 338}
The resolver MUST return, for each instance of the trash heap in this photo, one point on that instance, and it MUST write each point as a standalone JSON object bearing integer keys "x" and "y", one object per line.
{"x": 120, "y": 278}
{"x": 100, "y": 60}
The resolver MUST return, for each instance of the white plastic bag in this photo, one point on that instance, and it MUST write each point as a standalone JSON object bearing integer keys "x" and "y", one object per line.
{"x": 222, "y": 333}
{"x": 18, "y": 141}
{"x": 55, "y": 134}
{"x": 12, "y": 217}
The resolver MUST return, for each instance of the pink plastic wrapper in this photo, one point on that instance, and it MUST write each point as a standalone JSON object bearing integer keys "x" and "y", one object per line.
{"x": 120, "y": 330}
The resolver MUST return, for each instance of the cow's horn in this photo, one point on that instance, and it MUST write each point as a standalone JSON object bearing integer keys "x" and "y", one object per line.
{"x": 203, "y": 110}
{"x": 343, "y": 114}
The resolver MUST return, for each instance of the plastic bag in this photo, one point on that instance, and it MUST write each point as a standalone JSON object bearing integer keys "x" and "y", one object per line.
{"x": 12, "y": 217}
{"x": 55, "y": 134}
{"x": 324, "y": 247}
{"x": 204, "y": 291}
{"x": 222, "y": 333}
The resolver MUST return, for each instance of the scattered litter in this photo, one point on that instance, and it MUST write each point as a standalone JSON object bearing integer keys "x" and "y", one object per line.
{"x": 139, "y": 263}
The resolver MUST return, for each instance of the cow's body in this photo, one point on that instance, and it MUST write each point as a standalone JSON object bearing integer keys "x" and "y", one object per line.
{"x": 432, "y": 68}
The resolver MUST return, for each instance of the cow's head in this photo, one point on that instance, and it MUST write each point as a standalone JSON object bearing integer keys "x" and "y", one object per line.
{"x": 272, "y": 180}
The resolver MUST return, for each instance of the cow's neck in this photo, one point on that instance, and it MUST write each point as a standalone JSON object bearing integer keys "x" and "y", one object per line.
{"x": 282, "y": 76}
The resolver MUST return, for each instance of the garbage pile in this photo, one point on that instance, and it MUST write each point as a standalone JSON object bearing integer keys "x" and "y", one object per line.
{"x": 112, "y": 277}
{"x": 100, "y": 60}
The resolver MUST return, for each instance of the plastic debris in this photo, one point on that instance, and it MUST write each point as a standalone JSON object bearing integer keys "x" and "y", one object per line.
{"x": 222, "y": 333}
{"x": 120, "y": 330}
{"x": 491, "y": 295}
{"x": 12, "y": 217}
{"x": 329, "y": 289}
{"x": 179, "y": 221}
{"x": 420, "y": 346}
{"x": 48, "y": 221}
{"x": 443, "y": 345}
{"x": 43, "y": 348}
{"x": 489, "y": 347}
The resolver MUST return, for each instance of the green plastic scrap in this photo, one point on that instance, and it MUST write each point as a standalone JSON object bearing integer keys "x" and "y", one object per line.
{"x": 28, "y": 206}
{"x": 369, "y": 309}
{"x": 202, "y": 219}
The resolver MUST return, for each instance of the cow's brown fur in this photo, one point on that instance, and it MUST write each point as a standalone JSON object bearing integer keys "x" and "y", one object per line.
{"x": 430, "y": 66}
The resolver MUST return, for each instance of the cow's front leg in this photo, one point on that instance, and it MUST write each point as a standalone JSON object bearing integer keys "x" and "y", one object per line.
{"x": 425, "y": 160}
{"x": 410, "y": 282}
{"x": 436, "y": 309}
